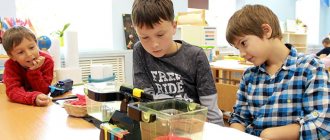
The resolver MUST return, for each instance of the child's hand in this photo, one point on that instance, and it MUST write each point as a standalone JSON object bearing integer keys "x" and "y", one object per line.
{"x": 42, "y": 100}
{"x": 37, "y": 63}
{"x": 322, "y": 56}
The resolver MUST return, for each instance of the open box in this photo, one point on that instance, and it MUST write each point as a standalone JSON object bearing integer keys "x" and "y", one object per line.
{"x": 168, "y": 119}
{"x": 102, "y": 102}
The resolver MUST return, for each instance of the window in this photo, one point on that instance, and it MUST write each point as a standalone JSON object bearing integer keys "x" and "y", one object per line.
{"x": 91, "y": 19}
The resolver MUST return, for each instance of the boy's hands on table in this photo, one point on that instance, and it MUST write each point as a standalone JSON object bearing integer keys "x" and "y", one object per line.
{"x": 286, "y": 132}
{"x": 42, "y": 100}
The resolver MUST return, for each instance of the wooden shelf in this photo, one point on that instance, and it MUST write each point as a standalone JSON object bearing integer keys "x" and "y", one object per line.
{"x": 298, "y": 40}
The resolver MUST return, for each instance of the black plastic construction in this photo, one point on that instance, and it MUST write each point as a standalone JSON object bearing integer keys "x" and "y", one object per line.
{"x": 105, "y": 97}
{"x": 61, "y": 87}
{"x": 125, "y": 119}
{"x": 145, "y": 97}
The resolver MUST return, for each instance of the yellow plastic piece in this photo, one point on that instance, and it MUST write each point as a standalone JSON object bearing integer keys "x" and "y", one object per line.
{"x": 234, "y": 57}
{"x": 137, "y": 92}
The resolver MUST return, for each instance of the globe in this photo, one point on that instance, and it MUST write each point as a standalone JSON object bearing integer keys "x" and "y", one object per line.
{"x": 44, "y": 42}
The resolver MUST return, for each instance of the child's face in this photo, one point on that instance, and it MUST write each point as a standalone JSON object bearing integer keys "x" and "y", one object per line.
{"x": 253, "y": 48}
{"x": 326, "y": 44}
{"x": 25, "y": 53}
{"x": 159, "y": 40}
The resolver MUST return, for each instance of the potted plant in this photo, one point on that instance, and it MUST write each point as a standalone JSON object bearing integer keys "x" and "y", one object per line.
{"x": 60, "y": 33}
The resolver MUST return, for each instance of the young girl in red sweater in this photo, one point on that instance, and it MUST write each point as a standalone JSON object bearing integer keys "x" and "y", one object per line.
{"x": 28, "y": 72}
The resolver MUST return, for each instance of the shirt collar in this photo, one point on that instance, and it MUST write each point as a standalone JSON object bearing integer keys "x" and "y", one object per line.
{"x": 290, "y": 62}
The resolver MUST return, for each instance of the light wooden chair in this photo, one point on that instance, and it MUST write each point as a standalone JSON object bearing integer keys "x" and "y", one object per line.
{"x": 226, "y": 97}
{"x": 2, "y": 88}
{"x": 3, "y": 59}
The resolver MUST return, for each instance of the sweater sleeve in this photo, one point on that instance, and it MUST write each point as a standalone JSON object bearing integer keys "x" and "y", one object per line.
{"x": 319, "y": 53}
{"x": 23, "y": 86}
{"x": 14, "y": 86}
{"x": 41, "y": 78}
{"x": 206, "y": 89}
{"x": 323, "y": 51}
{"x": 214, "y": 114}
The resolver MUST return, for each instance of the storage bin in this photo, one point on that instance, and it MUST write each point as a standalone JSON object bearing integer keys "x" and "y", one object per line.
{"x": 174, "y": 119}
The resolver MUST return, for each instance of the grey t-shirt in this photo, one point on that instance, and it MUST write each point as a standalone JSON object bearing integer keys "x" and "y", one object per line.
{"x": 185, "y": 74}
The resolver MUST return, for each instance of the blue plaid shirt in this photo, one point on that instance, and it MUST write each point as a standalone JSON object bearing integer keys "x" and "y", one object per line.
{"x": 298, "y": 93}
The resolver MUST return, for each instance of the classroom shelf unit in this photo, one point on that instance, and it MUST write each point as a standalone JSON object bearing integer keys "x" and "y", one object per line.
{"x": 298, "y": 40}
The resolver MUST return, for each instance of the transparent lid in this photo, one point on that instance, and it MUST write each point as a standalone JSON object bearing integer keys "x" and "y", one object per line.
{"x": 103, "y": 87}
{"x": 171, "y": 107}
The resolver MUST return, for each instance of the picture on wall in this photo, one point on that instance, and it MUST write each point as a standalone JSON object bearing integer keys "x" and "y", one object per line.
{"x": 130, "y": 35}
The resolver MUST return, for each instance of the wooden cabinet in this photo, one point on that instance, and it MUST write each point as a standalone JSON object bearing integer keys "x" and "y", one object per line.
{"x": 298, "y": 40}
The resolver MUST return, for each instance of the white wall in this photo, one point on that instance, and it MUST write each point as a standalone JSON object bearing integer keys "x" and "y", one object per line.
{"x": 309, "y": 12}
{"x": 284, "y": 9}
{"x": 7, "y": 8}
{"x": 218, "y": 15}
{"x": 120, "y": 7}
{"x": 220, "y": 11}
{"x": 324, "y": 20}
{"x": 90, "y": 18}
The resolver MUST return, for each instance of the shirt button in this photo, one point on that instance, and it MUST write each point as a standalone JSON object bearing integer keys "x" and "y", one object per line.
{"x": 289, "y": 101}
{"x": 315, "y": 114}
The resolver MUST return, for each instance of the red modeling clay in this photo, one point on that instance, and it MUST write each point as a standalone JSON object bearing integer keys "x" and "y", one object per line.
{"x": 80, "y": 101}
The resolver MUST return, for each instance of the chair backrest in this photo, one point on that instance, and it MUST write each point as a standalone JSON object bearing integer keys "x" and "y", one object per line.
{"x": 226, "y": 96}
{"x": 2, "y": 88}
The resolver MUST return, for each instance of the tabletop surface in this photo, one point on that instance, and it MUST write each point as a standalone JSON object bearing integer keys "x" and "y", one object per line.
{"x": 25, "y": 122}
{"x": 229, "y": 64}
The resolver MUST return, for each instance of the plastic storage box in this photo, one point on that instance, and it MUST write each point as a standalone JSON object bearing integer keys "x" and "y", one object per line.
{"x": 175, "y": 119}
{"x": 102, "y": 102}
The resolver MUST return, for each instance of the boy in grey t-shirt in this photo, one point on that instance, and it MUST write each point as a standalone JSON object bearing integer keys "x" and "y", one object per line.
{"x": 171, "y": 68}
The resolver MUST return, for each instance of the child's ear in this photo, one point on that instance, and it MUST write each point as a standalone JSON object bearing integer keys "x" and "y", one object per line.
{"x": 11, "y": 57}
{"x": 267, "y": 30}
{"x": 174, "y": 26}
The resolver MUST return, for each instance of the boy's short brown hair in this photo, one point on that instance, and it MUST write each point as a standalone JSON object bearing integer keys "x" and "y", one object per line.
{"x": 14, "y": 36}
{"x": 248, "y": 21}
{"x": 149, "y": 12}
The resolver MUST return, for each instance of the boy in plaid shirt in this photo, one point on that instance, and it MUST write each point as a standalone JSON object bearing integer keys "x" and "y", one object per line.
{"x": 286, "y": 94}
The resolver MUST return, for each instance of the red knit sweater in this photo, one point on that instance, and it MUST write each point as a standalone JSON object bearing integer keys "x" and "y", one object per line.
{"x": 23, "y": 85}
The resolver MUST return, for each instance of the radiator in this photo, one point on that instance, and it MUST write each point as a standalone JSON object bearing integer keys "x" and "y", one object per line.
{"x": 121, "y": 61}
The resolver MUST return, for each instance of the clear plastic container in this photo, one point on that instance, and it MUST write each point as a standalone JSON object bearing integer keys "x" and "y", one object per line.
{"x": 175, "y": 119}
{"x": 102, "y": 110}
{"x": 98, "y": 103}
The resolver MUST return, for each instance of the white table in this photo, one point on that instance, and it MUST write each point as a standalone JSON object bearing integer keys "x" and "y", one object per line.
{"x": 213, "y": 131}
